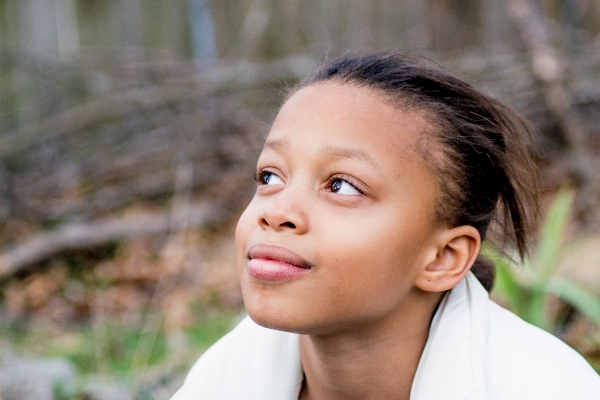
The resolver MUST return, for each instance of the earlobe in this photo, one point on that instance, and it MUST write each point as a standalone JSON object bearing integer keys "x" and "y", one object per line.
{"x": 457, "y": 250}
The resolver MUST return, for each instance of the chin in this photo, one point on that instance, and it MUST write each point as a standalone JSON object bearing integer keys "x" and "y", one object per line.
{"x": 277, "y": 322}
{"x": 273, "y": 312}
{"x": 293, "y": 318}
{"x": 269, "y": 321}
{"x": 270, "y": 315}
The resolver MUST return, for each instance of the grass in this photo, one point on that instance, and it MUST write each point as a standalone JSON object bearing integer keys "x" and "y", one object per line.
{"x": 210, "y": 329}
{"x": 108, "y": 351}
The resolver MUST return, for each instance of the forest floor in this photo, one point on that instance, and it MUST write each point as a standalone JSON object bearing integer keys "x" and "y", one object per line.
{"x": 128, "y": 321}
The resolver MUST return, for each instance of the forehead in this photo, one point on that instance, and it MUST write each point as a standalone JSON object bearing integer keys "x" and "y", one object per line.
{"x": 333, "y": 113}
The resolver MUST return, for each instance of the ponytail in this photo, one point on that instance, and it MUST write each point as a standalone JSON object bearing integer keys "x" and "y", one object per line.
{"x": 485, "y": 271}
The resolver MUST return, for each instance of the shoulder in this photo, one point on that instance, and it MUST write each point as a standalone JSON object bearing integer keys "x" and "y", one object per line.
{"x": 234, "y": 345}
{"x": 249, "y": 362}
{"x": 527, "y": 362}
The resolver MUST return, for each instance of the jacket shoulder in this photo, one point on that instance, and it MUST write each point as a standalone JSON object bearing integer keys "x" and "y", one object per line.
{"x": 250, "y": 362}
{"x": 527, "y": 362}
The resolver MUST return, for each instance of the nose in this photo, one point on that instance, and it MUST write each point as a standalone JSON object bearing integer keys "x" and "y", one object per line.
{"x": 285, "y": 212}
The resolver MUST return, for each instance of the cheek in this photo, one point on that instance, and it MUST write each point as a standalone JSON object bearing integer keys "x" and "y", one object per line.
{"x": 378, "y": 251}
{"x": 247, "y": 220}
{"x": 245, "y": 224}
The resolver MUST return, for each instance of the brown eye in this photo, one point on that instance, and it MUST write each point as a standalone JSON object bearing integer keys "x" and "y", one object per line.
{"x": 268, "y": 178}
{"x": 342, "y": 186}
{"x": 336, "y": 185}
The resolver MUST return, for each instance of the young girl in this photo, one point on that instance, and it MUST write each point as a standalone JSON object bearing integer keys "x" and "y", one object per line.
{"x": 358, "y": 255}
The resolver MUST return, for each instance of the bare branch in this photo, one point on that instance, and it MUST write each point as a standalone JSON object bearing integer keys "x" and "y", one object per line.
{"x": 81, "y": 236}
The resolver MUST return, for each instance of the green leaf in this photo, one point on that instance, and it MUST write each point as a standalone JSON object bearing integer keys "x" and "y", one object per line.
{"x": 507, "y": 287}
{"x": 536, "y": 308}
{"x": 546, "y": 253}
{"x": 577, "y": 296}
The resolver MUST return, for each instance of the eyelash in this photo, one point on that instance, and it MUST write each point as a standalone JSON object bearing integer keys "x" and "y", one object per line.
{"x": 260, "y": 173}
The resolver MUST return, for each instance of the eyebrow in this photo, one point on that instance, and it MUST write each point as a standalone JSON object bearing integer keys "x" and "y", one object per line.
{"x": 336, "y": 151}
{"x": 275, "y": 144}
{"x": 348, "y": 152}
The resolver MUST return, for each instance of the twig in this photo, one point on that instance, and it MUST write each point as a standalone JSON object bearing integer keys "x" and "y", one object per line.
{"x": 80, "y": 236}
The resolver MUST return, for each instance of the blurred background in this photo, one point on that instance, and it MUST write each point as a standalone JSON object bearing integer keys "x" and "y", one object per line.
{"x": 129, "y": 131}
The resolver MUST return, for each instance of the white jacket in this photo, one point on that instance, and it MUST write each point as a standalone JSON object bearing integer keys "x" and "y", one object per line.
{"x": 475, "y": 350}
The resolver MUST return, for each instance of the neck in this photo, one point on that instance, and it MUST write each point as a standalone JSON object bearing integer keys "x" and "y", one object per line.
{"x": 375, "y": 362}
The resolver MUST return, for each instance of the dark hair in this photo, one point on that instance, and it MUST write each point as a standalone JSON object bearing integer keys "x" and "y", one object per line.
{"x": 487, "y": 177}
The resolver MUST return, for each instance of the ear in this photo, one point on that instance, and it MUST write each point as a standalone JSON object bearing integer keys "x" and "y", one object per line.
{"x": 456, "y": 251}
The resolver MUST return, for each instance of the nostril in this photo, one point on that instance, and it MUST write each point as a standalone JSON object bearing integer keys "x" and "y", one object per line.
{"x": 288, "y": 224}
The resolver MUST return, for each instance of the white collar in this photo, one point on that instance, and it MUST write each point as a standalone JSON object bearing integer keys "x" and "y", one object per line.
{"x": 253, "y": 362}
{"x": 452, "y": 365}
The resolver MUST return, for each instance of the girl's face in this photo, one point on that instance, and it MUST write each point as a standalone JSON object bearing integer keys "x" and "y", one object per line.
{"x": 343, "y": 219}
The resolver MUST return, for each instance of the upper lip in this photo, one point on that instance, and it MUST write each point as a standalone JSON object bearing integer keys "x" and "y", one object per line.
{"x": 277, "y": 253}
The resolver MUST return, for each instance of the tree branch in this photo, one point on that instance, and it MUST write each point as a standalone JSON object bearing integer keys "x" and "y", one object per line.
{"x": 81, "y": 236}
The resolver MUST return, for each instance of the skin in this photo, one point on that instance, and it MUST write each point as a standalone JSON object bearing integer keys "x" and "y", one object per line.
{"x": 342, "y": 183}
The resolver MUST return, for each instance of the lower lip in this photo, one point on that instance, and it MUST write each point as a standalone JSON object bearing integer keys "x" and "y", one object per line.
{"x": 272, "y": 270}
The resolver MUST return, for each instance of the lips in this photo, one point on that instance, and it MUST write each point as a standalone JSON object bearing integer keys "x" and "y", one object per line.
{"x": 273, "y": 263}
{"x": 276, "y": 253}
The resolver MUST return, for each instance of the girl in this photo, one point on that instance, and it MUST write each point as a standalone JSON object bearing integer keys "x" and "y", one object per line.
{"x": 358, "y": 255}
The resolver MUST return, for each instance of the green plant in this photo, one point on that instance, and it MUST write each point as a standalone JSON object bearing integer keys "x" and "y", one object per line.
{"x": 526, "y": 289}
{"x": 60, "y": 392}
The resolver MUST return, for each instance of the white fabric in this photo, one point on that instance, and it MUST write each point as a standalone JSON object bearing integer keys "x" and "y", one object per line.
{"x": 475, "y": 350}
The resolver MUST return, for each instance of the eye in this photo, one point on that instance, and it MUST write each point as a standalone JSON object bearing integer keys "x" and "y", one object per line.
{"x": 342, "y": 186}
{"x": 267, "y": 178}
